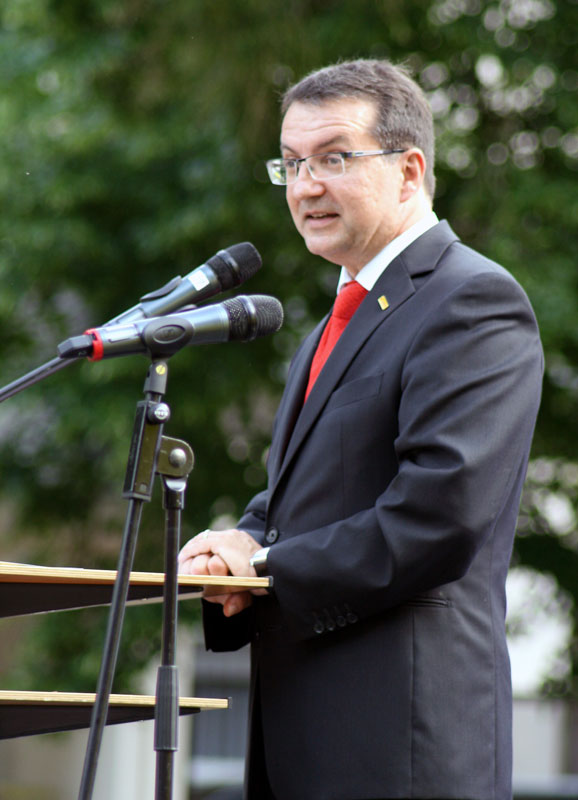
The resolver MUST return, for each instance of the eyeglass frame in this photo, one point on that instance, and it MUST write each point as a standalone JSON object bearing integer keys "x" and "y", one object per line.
{"x": 344, "y": 155}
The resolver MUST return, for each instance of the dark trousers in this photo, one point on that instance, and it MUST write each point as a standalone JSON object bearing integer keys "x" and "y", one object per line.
{"x": 258, "y": 778}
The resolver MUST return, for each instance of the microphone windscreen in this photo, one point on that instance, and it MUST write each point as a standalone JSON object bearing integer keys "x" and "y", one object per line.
{"x": 269, "y": 315}
{"x": 235, "y": 265}
{"x": 252, "y": 316}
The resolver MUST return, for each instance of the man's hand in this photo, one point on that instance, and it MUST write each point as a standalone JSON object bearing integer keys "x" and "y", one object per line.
{"x": 222, "y": 553}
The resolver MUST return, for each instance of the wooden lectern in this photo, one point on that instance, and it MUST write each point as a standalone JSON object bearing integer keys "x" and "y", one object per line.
{"x": 30, "y": 589}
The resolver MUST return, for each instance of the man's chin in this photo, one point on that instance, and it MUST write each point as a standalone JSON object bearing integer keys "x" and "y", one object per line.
{"x": 324, "y": 249}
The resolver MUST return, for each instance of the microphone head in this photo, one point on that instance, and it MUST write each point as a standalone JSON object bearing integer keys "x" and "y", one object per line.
{"x": 252, "y": 316}
{"x": 235, "y": 265}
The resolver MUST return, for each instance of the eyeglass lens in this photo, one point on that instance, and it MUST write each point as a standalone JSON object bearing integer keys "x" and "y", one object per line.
{"x": 325, "y": 165}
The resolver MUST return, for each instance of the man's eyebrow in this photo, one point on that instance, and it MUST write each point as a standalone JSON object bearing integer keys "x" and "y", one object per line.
{"x": 335, "y": 140}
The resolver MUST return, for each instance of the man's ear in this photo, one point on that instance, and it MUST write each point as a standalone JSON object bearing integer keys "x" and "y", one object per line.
{"x": 412, "y": 173}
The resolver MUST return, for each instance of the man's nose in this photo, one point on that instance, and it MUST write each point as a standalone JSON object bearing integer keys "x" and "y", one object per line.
{"x": 306, "y": 185}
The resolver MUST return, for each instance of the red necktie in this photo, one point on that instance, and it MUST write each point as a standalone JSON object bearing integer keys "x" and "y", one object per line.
{"x": 345, "y": 306}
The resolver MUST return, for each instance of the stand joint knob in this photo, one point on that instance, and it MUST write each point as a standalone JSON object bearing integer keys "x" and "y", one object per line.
{"x": 158, "y": 413}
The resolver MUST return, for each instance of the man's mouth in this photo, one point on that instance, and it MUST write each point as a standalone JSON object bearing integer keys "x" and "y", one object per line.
{"x": 319, "y": 215}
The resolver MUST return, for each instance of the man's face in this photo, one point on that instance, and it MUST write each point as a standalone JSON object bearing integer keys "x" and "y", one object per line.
{"x": 346, "y": 220}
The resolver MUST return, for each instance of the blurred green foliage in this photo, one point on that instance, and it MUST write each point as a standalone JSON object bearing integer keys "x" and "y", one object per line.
{"x": 132, "y": 143}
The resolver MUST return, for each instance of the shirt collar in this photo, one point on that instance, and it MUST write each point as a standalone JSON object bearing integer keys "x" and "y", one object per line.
{"x": 368, "y": 275}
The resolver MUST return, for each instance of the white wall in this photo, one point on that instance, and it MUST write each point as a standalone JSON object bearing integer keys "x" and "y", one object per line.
{"x": 540, "y": 737}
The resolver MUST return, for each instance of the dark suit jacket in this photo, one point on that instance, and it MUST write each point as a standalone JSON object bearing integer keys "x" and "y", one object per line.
{"x": 380, "y": 659}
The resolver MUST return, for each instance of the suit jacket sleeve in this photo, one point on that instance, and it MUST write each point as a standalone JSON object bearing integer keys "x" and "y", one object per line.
{"x": 253, "y": 519}
{"x": 231, "y": 633}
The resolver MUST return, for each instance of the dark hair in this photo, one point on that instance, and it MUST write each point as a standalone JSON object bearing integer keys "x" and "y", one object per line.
{"x": 404, "y": 117}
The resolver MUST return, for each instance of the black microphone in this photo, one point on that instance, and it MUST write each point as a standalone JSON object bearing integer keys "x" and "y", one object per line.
{"x": 226, "y": 269}
{"x": 241, "y": 318}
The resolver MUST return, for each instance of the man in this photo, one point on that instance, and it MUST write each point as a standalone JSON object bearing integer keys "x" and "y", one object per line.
{"x": 379, "y": 660}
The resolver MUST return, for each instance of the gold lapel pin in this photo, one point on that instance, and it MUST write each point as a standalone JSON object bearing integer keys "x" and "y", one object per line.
{"x": 383, "y": 302}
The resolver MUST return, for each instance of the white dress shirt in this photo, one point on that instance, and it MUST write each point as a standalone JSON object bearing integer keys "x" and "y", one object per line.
{"x": 368, "y": 275}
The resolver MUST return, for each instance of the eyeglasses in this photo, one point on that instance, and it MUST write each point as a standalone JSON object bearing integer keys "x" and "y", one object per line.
{"x": 322, "y": 167}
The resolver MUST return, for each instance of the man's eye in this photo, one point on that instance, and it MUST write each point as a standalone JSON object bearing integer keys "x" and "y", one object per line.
{"x": 331, "y": 159}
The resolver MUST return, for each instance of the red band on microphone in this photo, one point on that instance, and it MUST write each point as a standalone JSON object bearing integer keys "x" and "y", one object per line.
{"x": 97, "y": 346}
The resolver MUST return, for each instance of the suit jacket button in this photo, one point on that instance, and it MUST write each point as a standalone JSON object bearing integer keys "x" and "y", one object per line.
{"x": 329, "y": 621}
{"x": 272, "y": 535}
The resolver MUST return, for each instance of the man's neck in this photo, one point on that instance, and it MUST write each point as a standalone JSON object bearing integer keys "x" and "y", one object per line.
{"x": 368, "y": 275}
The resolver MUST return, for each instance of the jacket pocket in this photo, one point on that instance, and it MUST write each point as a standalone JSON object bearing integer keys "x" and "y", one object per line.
{"x": 354, "y": 391}
{"x": 427, "y": 601}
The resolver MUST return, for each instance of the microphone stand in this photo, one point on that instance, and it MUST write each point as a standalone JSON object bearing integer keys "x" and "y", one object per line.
{"x": 36, "y": 375}
{"x": 173, "y": 459}
{"x": 167, "y": 691}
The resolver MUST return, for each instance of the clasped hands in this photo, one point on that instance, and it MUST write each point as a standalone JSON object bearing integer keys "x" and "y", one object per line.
{"x": 222, "y": 553}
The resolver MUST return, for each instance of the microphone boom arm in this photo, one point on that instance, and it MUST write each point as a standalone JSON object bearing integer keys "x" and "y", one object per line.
{"x": 35, "y": 376}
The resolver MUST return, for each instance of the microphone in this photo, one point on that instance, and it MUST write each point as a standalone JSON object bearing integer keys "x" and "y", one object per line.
{"x": 226, "y": 269}
{"x": 242, "y": 318}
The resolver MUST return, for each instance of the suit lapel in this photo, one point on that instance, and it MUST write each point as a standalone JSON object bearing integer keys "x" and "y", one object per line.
{"x": 298, "y": 418}
{"x": 292, "y": 400}
{"x": 391, "y": 290}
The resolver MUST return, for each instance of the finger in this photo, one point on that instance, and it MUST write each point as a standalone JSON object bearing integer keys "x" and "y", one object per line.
{"x": 259, "y": 592}
{"x": 199, "y": 565}
{"x": 216, "y": 565}
{"x": 236, "y": 549}
{"x": 194, "y": 566}
{"x": 235, "y": 603}
{"x": 184, "y": 567}
{"x": 216, "y": 598}
{"x": 195, "y": 546}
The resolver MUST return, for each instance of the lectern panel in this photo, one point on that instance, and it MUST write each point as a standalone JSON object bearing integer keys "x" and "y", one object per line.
{"x": 31, "y": 713}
